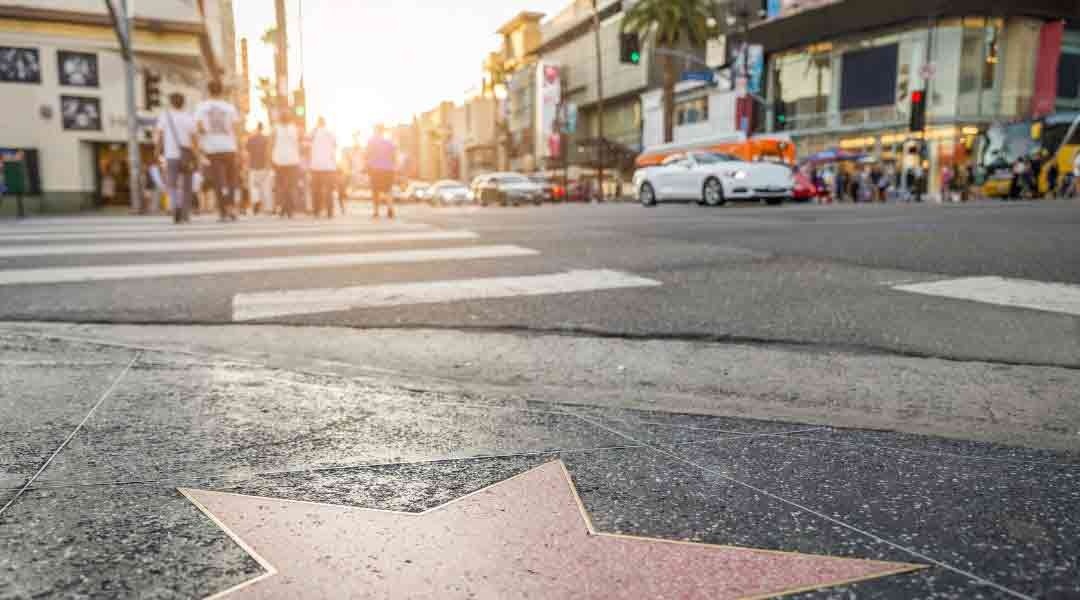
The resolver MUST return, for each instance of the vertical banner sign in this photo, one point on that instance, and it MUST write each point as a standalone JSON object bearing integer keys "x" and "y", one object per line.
{"x": 756, "y": 68}
{"x": 570, "y": 119}
{"x": 1046, "y": 69}
{"x": 549, "y": 92}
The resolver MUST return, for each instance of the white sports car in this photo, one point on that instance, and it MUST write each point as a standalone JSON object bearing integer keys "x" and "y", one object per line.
{"x": 713, "y": 178}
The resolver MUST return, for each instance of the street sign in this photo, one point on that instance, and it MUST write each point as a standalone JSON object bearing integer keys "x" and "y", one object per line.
{"x": 706, "y": 76}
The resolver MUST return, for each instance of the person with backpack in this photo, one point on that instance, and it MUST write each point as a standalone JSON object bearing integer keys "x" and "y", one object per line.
{"x": 175, "y": 140}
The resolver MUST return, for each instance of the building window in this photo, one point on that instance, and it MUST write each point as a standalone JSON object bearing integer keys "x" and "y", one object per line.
{"x": 19, "y": 65}
{"x": 868, "y": 78}
{"x": 803, "y": 82}
{"x": 78, "y": 69}
{"x": 80, "y": 113}
{"x": 688, "y": 112}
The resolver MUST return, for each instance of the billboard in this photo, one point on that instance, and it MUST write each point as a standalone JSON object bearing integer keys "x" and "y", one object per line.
{"x": 549, "y": 96}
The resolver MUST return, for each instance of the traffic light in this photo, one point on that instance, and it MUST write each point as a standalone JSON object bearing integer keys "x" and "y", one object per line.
{"x": 300, "y": 103}
{"x": 151, "y": 89}
{"x": 780, "y": 114}
{"x": 629, "y": 48}
{"x": 917, "y": 120}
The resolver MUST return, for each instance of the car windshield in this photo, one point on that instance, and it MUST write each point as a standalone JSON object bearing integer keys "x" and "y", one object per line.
{"x": 503, "y": 299}
{"x": 707, "y": 158}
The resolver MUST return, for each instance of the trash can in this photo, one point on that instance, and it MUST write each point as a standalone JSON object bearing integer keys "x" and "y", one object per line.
{"x": 16, "y": 181}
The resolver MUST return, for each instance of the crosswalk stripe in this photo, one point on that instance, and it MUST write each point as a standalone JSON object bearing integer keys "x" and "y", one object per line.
{"x": 232, "y": 244}
{"x": 262, "y": 305}
{"x": 198, "y": 231}
{"x": 1022, "y": 293}
{"x": 207, "y": 267}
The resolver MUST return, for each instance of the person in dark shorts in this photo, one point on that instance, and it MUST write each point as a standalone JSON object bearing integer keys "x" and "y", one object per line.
{"x": 381, "y": 166}
{"x": 219, "y": 124}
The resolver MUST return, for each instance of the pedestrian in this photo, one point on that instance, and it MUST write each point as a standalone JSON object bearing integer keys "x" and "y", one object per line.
{"x": 324, "y": 172}
{"x": 176, "y": 142}
{"x": 381, "y": 156}
{"x": 259, "y": 173}
{"x": 946, "y": 183}
{"x": 219, "y": 124}
{"x": 285, "y": 155}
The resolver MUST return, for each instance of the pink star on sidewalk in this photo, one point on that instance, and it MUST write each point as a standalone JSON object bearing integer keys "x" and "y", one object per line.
{"x": 525, "y": 537}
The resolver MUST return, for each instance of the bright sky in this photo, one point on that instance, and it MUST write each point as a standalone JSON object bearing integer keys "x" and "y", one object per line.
{"x": 370, "y": 61}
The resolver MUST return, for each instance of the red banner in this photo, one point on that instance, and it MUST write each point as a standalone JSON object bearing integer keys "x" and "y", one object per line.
{"x": 1046, "y": 69}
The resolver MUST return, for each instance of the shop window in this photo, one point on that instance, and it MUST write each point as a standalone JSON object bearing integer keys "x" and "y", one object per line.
{"x": 692, "y": 111}
{"x": 802, "y": 83}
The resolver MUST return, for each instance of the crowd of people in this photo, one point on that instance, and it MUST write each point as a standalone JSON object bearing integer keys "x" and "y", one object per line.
{"x": 206, "y": 158}
{"x": 879, "y": 182}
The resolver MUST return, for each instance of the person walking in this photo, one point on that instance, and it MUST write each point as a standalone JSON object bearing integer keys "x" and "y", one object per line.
{"x": 175, "y": 141}
{"x": 381, "y": 156}
{"x": 285, "y": 155}
{"x": 324, "y": 172}
{"x": 219, "y": 128}
{"x": 259, "y": 173}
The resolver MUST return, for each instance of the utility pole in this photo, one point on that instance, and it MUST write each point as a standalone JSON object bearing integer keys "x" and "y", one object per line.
{"x": 602, "y": 146}
{"x": 123, "y": 19}
{"x": 282, "y": 62}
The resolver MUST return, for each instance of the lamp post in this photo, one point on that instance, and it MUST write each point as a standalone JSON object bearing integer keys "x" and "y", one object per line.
{"x": 602, "y": 145}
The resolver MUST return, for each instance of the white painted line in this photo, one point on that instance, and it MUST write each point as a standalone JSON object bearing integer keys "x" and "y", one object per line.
{"x": 124, "y": 233}
{"x": 263, "y": 305}
{"x": 209, "y": 267}
{"x": 138, "y": 248}
{"x": 1022, "y": 293}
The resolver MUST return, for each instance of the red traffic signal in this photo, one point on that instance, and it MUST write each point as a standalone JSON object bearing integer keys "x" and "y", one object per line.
{"x": 917, "y": 117}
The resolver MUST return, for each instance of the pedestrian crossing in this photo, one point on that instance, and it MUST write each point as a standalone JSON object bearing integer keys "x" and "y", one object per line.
{"x": 288, "y": 256}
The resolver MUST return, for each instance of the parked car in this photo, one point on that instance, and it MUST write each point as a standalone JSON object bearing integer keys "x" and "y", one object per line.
{"x": 553, "y": 191}
{"x": 713, "y": 178}
{"x": 415, "y": 192}
{"x": 448, "y": 192}
{"x": 506, "y": 188}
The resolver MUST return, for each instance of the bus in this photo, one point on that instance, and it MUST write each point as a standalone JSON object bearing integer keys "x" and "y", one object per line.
{"x": 1055, "y": 136}
{"x": 773, "y": 148}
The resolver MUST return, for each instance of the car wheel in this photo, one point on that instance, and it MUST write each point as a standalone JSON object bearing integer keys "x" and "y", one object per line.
{"x": 712, "y": 193}
{"x": 777, "y": 201}
{"x": 647, "y": 195}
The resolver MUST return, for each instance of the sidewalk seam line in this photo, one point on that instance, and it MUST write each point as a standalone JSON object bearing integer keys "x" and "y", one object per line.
{"x": 108, "y": 392}
{"x": 821, "y": 515}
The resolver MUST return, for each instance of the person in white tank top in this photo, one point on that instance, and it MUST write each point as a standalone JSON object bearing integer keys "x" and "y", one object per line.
{"x": 285, "y": 155}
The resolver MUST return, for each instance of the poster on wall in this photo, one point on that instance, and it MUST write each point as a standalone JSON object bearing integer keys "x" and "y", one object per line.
{"x": 549, "y": 90}
{"x": 79, "y": 69}
{"x": 19, "y": 65}
{"x": 80, "y": 113}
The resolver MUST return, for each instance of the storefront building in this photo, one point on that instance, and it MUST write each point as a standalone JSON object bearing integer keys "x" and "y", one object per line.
{"x": 569, "y": 43}
{"x": 842, "y": 74}
{"x": 62, "y": 81}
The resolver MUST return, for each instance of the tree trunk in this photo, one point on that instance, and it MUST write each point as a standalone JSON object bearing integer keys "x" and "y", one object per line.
{"x": 667, "y": 63}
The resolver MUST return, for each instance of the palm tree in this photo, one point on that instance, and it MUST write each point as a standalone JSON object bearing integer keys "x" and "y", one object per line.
{"x": 670, "y": 22}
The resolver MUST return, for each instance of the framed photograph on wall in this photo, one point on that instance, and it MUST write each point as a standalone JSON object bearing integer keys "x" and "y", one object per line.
{"x": 79, "y": 69}
{"x": 20, "y": 65}
{"x": 80, "y": 113}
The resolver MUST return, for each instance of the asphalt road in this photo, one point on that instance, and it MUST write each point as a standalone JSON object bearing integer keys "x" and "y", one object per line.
{"x": 551, "y": 367}
{"x": 806, "y": 274}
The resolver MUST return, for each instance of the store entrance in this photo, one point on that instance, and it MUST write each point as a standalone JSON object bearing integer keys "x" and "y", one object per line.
{"x": 112, "y": 181}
